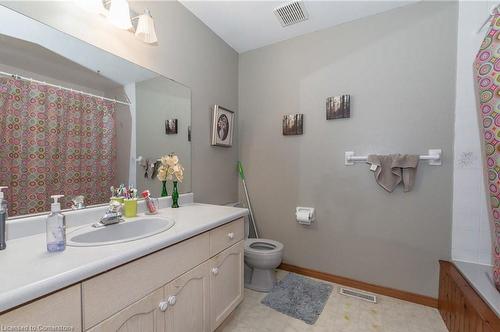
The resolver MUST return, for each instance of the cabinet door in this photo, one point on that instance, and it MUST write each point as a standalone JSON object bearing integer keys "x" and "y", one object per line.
{"x": 226, "y": 283}
{"x": 188, "y": 301}
{"x": 62, "y": 308}
{"x": 144, "y": 315}
{"x": 108, "y": 293}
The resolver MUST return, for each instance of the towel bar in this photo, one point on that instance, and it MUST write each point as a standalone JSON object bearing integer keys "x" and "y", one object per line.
{"x": 433, "y": 156}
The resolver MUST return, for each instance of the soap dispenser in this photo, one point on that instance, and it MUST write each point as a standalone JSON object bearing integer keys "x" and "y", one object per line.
{"x": 3, "y": 219}
{"x": 56, "y": 226}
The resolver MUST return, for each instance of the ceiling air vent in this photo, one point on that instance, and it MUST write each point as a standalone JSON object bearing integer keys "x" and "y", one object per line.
{"x": 291, "y": 13}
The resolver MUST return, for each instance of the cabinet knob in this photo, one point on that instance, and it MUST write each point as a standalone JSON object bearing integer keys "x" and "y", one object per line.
{"x": 163, "y": 306}
{"x": 215, "y": 270}
{"x": 172, "y": 300}
{"x": 230, "y": 235}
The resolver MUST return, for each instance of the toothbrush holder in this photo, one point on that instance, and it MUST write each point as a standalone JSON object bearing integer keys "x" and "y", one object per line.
{"x": 130, "y": 208}
{"x": 117, "y": 199}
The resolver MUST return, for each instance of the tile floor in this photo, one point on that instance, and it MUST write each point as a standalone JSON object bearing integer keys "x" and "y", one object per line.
{"x": 341, "y": 314}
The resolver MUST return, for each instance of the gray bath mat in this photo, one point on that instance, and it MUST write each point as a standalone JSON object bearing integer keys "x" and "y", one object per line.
{"x": 299, "y": 297}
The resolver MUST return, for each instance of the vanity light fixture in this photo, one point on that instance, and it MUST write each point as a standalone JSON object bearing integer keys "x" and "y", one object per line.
{"x": 145, "y": 30}
{"x": 119, "y": 14}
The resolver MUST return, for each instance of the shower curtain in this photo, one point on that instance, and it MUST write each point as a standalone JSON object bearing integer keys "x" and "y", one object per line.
{"x": 54, "y": 141}
{"x": 487, "y": 70}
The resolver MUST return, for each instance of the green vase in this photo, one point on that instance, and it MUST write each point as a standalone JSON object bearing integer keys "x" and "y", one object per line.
{"x": 175, "y": 196}
{"x": 164, "y": 192}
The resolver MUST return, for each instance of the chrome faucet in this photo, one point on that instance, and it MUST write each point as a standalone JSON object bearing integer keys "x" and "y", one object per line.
{"x": 112, "y": 216}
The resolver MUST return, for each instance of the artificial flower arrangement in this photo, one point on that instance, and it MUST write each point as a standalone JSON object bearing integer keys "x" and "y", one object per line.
{"x": 170, "y": 170}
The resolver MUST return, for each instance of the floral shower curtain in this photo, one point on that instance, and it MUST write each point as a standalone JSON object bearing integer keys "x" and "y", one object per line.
{"x": 54, "y": 141}
{"x": 487, "y": 70}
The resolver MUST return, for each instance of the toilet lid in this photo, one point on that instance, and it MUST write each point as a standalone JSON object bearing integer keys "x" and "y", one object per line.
{"x": 262, "y": 246}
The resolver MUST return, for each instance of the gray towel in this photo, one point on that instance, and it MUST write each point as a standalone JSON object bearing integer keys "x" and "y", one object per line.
{"x": 392, "y": 169}
{"x": 407, "y": 166}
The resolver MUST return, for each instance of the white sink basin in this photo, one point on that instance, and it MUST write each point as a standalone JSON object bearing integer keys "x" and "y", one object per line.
{"x": 89, "y": 236}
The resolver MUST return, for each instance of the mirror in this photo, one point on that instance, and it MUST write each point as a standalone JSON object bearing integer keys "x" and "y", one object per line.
{"x": 170, "y": 115}
{"x": 76, "y": 120}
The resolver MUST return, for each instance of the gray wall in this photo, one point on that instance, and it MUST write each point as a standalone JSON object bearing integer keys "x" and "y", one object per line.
{"x": 157, "y": 100}
{"x": 399, "y": 68}
{"x": 188, "y": 52}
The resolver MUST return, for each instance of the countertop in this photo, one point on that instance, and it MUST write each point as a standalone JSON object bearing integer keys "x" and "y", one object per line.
{"x": 28, "y": 271}
{"x": 479, "y": 276}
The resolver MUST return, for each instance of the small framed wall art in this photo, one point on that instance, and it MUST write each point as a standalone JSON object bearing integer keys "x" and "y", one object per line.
{"x": 338, "y": 107}
{"x": 293, "y": 124}
{"x": 171, "y": 127}
{"x": 222, "y": 126}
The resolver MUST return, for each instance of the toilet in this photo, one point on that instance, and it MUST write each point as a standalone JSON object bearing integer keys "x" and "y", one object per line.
{"x": 262, "y": 257}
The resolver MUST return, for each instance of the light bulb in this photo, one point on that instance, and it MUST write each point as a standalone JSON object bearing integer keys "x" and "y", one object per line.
{"x": 146, "y": 28}
{"x": 119, "y": 14}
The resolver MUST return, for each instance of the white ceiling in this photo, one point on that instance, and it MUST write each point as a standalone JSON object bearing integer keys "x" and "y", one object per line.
{"x": 247, "y": 25}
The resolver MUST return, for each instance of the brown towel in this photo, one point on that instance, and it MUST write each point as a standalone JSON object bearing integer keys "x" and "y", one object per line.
{"x": 392, "y": 169}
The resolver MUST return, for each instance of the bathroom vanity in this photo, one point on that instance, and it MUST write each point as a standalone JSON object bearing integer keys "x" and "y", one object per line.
{"x": 180, "y": 270}
{"x": 188, "y": 278}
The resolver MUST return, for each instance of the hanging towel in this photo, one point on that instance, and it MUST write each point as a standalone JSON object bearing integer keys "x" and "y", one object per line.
{"x": 382, "y": 167}
{"x": 406, "y": 165}
{"x": 390, "y": 170}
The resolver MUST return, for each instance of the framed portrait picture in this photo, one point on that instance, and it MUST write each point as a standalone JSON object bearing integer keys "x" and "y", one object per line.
{"x": 171, "y": 127}
{"x": 222, "y": 126}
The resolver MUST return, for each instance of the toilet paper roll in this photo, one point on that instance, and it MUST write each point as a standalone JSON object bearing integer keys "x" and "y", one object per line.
{"x": 303, "y": 217}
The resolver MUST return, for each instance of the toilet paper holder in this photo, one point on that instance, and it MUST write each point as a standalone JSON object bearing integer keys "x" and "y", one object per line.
{"x": 305, "y": 215}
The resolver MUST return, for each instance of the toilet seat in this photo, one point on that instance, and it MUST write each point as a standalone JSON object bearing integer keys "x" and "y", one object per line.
{"x": 262, "y": 246}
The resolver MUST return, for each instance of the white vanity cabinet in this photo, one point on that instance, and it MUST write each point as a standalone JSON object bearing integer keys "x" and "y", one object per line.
{"x": 112, "y": 291}
{"x": 181, "y": 305}
{"x": 62, "y": 308}
{"x": 188, "y": 299}
{"x": 190, "y": 286}
{"x": 226, "y": 282}
{"x": 144, "y": 315}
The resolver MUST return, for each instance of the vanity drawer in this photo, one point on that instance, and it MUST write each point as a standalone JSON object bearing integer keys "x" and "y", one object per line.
{"x": 225, "y": 236}
{"x": 110, "y": 292}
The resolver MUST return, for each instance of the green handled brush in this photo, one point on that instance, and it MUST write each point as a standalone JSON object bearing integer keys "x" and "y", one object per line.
{"x": 242, "y": 176}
